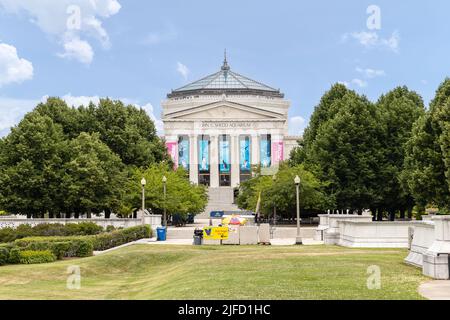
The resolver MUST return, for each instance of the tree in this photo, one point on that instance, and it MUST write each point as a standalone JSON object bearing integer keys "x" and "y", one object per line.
{"x": 400, "y": 109}
{"x": 347, "y": 153}
{"x": 281, "y": 193}
{"x": 30, "y": 160}
{"x": 182, "y": 197}
{"x": 127, "y": 131}
{"x": 426, "y": 171}
{"x": 323, "y": 112}
{"x": 93, "y": 177}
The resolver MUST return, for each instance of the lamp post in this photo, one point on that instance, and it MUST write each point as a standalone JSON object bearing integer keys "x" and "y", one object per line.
{"x": 143, "y": 184}
{"x": 297, "y": 182}
{"x": 164, "y": 180}
{"x": 274, "y": 178}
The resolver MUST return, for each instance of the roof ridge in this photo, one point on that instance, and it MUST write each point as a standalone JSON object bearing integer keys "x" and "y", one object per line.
{"x": 260, "y": 83}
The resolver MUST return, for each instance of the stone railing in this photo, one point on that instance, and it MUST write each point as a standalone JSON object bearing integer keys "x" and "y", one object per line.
{"x": 152, "y": 220}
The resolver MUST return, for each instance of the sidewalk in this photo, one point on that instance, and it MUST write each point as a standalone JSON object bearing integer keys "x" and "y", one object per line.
{"x": 435, "y": 290}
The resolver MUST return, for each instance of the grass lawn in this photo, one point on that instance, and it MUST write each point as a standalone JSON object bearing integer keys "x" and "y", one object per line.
{"x": 181, "y": 272}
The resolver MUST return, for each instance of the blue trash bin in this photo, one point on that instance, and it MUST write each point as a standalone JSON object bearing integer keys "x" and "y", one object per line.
{"x": 162, "y": 233}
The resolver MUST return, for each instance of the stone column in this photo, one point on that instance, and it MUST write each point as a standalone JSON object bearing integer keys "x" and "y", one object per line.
{"x": 214, "y": 171}
{"x": 193, "y": 166}
{"x": 255, "y": 150}
{"x": 234, "y": 161}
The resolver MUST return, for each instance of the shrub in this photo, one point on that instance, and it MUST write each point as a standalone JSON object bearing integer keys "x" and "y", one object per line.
{"x": 110, "y": 228}
{"x": 116, "y": 238}
{"x": 49, "y": 230}
{"x": 33, "y": 257}
{"x": 4, "y": 256}
{"x": 14, "y": 256}
{"x": 60, "y": 246}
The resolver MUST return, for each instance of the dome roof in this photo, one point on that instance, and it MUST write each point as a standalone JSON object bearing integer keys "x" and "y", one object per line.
{"x": 226, "y": 82}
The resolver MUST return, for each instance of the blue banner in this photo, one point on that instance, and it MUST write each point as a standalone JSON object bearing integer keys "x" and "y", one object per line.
{"x": 183, "y": 153}
{"x": 266, "y": 152}
{"x": 224, "y": 156}
{"x": 203, "y": 155}
{"x": 245, "y": 154}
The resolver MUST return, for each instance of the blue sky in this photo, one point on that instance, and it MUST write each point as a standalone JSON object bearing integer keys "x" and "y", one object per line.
{"x": 139, "y": 50}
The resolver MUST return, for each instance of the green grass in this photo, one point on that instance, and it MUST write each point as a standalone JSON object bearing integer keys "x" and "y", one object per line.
{"x": 179, "y": 272}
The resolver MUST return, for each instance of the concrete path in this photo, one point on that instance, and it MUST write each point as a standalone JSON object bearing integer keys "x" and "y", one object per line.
{"x": 435, "y": 290}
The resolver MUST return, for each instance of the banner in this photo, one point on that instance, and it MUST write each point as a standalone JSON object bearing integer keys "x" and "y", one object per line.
{"x": 265, "y": 152}
{"x": 224, "y": 156}
{"x": 245, "y": 155}
{"x": 172, "y": 151}
{"x": 203, "y": 155}
{"x": 183, "y": 153}
{"x": 215, "y": 233}
{"x": 277, "y": 151}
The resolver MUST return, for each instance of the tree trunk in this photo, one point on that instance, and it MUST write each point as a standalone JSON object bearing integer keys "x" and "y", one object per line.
{"x": 107, "y": 214}
{"x": 410, "y": 213}
{"x": 51, "y": 215}
{"x": 402, "y": 213}
{"x": 380, "y": 214}
{"x": 89, "y": 214}
{"x": 392, "y": 215}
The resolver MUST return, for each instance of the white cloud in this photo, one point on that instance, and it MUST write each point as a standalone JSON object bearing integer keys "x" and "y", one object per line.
{"x": 371, "y": 39}
{"x": 371, "y": 73}
{"x": 76, "y": 101}
{"x": 297, "y": 126}
{"x": 79, "y": 50}
{"x": 183, "y": 70}
{"x": 154, "y": 38}
{"x": 360, "y": 83}
{"x": 68, "y": 21}
{"x": 12, "y": 111}
{"x": 151, "y": 112}
{"x": 12, "y": 68}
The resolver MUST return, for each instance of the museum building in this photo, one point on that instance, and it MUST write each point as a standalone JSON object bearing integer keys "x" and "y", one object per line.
{"x": 220, "y": 126}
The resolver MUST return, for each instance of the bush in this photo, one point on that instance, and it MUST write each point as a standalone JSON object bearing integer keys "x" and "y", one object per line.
{"x": 33, "y": 257}
{"x": 14, "y": 256}
{"x": 117, "y": 238}
{"x": 49, "y": 230}
{"x": 61, "y": 247}
{"x": 4, "y": 256}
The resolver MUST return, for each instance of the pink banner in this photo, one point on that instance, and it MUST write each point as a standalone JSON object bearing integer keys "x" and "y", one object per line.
{"x": 172, "y": 149}
{"x": 277, "y": 151}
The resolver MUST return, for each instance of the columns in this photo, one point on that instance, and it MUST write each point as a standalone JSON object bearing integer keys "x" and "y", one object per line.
{"x": 235, "y": 170}
{"x": 255, "y": 150}
{"x": 214, "y": 171}
{"x": 193, "y": 166}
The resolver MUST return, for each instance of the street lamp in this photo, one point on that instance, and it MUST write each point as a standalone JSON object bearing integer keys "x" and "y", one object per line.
{"x": 143, "y": 183}
{"x": 297, "y": 182}
{"x": 274, "y": 178}
{"x": 164, "y": 180}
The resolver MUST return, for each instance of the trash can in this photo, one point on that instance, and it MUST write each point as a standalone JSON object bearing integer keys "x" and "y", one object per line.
{"x": 198, "y": 237}
{"x": 161, "y": 233}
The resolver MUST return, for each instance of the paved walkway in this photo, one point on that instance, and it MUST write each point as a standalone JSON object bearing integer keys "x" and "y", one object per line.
{"x": 436, "y": 290}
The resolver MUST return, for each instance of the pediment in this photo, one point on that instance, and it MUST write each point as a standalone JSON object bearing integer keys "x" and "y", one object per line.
{"x": 224, "y": 110}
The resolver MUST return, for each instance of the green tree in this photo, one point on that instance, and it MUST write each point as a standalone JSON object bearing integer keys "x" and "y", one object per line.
{"x": 347, "y": 152}
{"x": 281, "y": 193}
{"x": 93, "y": 178}
{"x": 323, "y": 112}
{"x": 427, "y": 158}
{"x": 30, "y": 160}
{"x": 400, "y": 109}
{"x": 182, "y": 197}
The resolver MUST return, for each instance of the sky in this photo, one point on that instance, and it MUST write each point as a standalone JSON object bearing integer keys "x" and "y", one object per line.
{"x": 138, "y": 51}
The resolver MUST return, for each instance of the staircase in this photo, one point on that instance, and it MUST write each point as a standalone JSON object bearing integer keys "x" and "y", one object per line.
{"x": 220, "y": 199}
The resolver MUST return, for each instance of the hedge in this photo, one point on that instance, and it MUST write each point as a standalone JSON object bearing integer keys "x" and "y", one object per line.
{"x": 61, "y": 247}
{"x": 117, "y": 238}
{"x": 4, "y": 256}
{"x": 34, "y": 257}
{"x": 49, "y": 230}
{"x": 83, "y": 246}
